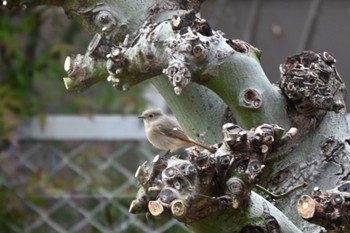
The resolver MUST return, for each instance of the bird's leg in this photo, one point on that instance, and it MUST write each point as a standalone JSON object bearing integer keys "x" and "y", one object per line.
{"x": 166, "y": 155}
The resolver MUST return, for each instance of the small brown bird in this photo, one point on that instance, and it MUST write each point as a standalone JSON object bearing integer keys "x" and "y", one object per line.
{"x": 165, "y": 134}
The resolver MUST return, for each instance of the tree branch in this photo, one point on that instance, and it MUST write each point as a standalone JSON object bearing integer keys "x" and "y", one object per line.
{"x": 202, "y": 189}
{"x": 168, "y": 40}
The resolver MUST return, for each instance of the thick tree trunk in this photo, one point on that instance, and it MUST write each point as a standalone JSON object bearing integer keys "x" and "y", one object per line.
{"x": 209, "y": 80}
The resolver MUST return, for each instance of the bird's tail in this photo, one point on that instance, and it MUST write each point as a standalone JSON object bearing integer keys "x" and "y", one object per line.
{"x": 210, "y": 149}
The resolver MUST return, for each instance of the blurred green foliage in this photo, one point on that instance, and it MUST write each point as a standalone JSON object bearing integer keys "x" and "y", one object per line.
{"x": 18, "y": 69}
{"x": 33, "y": 47}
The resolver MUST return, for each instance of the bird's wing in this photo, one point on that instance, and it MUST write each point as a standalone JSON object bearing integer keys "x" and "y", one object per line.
{"x": 179, "y": 133}
{"x": 173, "y": 130}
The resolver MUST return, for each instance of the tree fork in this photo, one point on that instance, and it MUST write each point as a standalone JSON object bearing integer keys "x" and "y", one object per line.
{"x": 310, "y": 97}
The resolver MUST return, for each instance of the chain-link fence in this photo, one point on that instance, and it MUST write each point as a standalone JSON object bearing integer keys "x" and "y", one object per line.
{"x": 75, "y": 186}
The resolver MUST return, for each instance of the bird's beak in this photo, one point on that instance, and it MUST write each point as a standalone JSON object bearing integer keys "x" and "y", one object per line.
{"x": 141, "y": 117}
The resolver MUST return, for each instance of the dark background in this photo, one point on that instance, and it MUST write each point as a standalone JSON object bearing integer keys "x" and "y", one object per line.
{"x": 284, "y": 28}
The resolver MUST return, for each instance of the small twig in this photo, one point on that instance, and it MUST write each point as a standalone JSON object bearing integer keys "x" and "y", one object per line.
{"x": 277, "y": 196}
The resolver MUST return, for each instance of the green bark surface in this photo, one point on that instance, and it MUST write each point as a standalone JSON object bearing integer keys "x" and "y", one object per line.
{"x": 225, "y": 77}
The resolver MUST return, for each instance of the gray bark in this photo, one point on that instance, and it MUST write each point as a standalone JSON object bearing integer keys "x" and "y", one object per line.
{"x": 189, "y": 62}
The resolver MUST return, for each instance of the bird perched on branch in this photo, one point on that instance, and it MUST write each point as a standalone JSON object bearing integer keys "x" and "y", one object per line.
{"x": 165, "y": 134}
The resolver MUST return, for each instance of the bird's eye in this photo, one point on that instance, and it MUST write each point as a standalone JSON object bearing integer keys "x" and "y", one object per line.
{"x": 150, "y": 115}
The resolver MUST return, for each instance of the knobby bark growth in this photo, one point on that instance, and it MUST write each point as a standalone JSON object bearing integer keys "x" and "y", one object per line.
{"x": 280, "y": 141}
